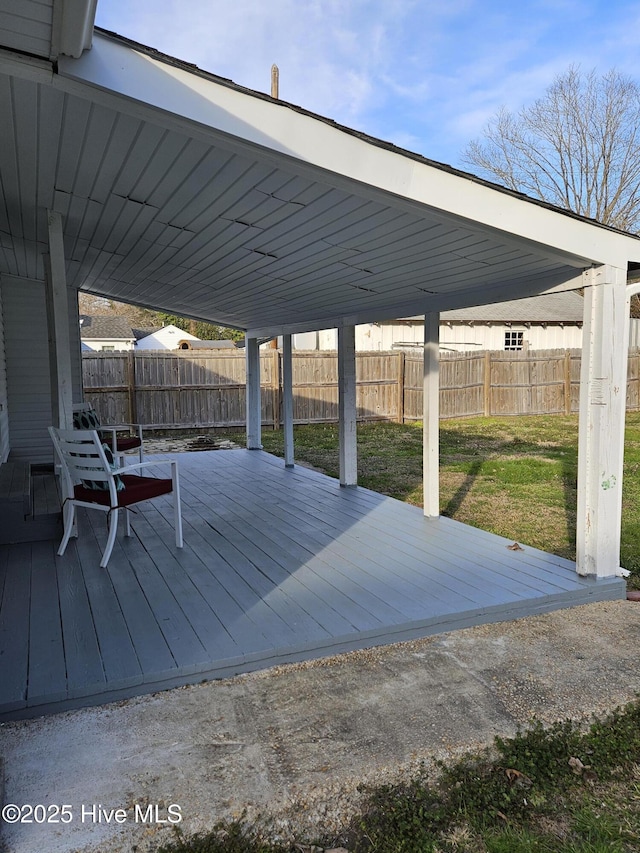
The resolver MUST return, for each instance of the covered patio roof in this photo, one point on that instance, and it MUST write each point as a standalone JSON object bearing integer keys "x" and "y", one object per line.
{"x": 183, "y": 191}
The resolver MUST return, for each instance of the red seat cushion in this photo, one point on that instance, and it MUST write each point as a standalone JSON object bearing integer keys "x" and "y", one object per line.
{"x": 127, "y": 443}
{"x": 136, "y": 489}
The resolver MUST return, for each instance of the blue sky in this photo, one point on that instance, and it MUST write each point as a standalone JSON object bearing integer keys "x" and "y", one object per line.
{"x": 423, "y": 74}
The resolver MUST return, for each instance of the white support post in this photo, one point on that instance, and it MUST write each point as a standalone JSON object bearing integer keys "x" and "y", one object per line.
{"x": 347, "y": 406}
{"x": 58, "y": 321}
{"x": 287, "y": 400}
{"x": 254, "y": 405}
{"x": 431, "y": 416}
{"x": 603, "y": 384}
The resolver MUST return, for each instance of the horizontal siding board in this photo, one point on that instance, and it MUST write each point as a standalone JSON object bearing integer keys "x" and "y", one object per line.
{"x": 27, "y": 369}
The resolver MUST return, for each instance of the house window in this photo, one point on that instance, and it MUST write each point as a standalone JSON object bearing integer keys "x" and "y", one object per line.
{"x": 513, "y": 340}
{"x": 108, "y": 349}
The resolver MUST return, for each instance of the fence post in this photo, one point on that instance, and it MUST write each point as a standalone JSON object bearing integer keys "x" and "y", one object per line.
{"x": 567, "y": 382}
{"x": 487, "y": 383}
{"x": 131, "y": 387}
{"x": 401, "y": 373}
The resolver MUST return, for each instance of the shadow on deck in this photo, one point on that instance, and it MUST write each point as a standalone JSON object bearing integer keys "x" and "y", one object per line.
{"x": 279, "y": 565}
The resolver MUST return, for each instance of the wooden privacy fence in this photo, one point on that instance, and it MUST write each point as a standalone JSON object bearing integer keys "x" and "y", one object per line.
{"x": 192, "y": 388}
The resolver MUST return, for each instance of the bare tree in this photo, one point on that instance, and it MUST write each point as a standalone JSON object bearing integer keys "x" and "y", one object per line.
{"x": 578, "y": 147}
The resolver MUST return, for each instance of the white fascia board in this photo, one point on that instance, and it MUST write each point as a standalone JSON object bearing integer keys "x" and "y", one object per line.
{"x": 120, "y": 69}
{"x": 464, "y": 298}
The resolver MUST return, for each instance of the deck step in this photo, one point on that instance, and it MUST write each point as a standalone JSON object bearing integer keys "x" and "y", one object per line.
{"x": 29, "y": 507}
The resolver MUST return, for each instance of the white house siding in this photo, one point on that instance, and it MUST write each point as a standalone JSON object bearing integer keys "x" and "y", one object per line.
{"x": 458, "y": 337}
{"x": 4, "y": 401}
{"x": 464, "y": 338}
{"x": 27, "y": 365}
{"x": 107, "y": 344}
{"x": 28, "y": 26}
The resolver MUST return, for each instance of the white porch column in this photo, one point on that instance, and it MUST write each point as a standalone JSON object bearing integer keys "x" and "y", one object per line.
{"x": 431, "y": 416}
{"x": 254, "y": 405}
{"x": 287, "y": 400}
{"x": 58, "y": 320}
{"x": 347, "y": 405}
{"x": 603, "y": 385}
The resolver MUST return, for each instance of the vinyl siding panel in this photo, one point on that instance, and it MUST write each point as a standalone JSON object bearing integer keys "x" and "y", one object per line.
{"x": 27, "y": 25}
{"x": 27, "y": 365}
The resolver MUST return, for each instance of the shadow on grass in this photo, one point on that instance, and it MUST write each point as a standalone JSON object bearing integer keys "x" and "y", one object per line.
{"x": 455, "y": 503}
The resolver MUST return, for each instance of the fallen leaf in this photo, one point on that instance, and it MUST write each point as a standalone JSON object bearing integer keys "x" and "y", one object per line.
{"x": 517, "y": 778}
{"x": 515, "y": 547}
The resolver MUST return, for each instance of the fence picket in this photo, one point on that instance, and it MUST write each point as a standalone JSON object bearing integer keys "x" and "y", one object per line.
{"x": 185, "y": 388}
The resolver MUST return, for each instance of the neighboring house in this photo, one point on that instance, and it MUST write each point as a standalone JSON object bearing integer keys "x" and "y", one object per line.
{"x": 106, "y": 333}
{"x": 546, "y": 322}
{"x": 190, "y": 344}
{"x": 166, "y": 337}
{"x": 553, "y": 321}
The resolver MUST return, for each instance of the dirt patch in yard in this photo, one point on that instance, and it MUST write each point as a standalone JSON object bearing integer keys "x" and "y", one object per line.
{"x": 186, "y": 443}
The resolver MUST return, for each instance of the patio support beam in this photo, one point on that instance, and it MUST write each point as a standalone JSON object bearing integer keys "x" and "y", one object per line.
{"x": 254, "y": 404}
{"x": 58, "y": 321}
{"x": 287, "y": 400}
{"x": 602, "y": 415}
{"x": 431, "y": 415}
{"x": 347, "y": 405}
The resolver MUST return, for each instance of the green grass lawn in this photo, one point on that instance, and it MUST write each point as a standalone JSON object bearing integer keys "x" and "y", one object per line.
{"x": 512, "y": 476}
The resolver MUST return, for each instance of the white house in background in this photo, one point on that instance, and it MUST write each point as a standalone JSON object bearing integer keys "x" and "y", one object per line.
{"x": 553, "y": 321}
{"x": 105, "y": 333}
{"x": 167, "y": 337}
{"x": 547, "y": 322}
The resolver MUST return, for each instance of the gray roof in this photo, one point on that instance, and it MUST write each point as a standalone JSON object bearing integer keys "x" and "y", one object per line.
{"x": 144, "y": 333}
{"x": 101, "y": 327}
{"x": 551, "y": 308}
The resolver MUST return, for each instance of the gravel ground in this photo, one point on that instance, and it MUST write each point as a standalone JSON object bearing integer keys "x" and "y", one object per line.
{"x": 291, "y": 745}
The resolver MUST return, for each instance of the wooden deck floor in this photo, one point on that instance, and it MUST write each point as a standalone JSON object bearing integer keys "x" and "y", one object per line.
{"x": 278, "y": 566}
